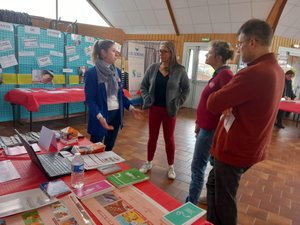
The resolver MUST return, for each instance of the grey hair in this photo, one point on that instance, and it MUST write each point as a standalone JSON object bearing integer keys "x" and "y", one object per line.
{"x": 170, "y": 45}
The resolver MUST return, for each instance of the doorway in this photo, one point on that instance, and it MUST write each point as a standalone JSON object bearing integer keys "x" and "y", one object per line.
{"x": 198, "y": 72}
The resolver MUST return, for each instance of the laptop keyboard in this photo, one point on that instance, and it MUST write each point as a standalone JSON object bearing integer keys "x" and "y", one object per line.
{"x": 54, "y": 164}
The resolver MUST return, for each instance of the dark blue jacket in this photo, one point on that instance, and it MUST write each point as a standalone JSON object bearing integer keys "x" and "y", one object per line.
{"x": 96, "y": 101}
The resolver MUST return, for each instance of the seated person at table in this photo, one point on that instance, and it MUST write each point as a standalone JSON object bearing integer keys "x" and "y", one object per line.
{"x": 288, "y": 94}
{"x": 104, "y": 95}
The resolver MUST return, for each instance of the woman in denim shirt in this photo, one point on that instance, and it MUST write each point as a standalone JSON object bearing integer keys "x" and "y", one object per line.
{"x": 206, "y": 122}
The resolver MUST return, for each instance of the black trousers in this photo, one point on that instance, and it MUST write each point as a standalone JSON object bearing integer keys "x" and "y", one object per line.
{"x": 279, "y": 117}
{"x": 111, "y": 136}
{"x": 222, "y": 185}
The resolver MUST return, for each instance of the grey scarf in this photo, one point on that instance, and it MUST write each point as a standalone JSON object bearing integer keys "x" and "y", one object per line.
{"x": 108, "y": 75}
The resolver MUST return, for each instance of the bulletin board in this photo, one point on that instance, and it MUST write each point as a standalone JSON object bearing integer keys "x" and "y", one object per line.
{"x": 7, "y": 56}
{"x": 7, "y": 46}
{"x": 25, "y": 48}
{"x": 40, "y": 49}
{"x": 78, "y": 50}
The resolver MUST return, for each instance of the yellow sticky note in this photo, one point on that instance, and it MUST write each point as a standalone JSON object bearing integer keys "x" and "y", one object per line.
{"x": 24, "y": 78}
{"x": 59, "y": 79}
{"x": 73, "y": 79}
{"x": 9, "y": 78}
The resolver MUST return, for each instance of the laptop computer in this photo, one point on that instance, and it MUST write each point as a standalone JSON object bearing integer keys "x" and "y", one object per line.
{"x": 51, "y": 164}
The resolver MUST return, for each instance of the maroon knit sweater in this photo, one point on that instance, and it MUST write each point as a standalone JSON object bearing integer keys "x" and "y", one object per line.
{"x": 206, "y": 119}
{"x": 253, "y": 94}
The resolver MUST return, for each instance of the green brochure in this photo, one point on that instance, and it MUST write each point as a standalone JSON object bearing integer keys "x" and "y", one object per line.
{"x": 127, "y": 177}
{"x": 184, "y": 215}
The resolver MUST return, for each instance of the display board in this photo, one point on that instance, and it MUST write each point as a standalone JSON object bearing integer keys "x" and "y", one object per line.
{"x": 25, "y": 51}
{"x": 7, "y": 47}
{"x": 7, "y": 67}
{"x": 40, "y": 49}
{"x": 78, "y": 50}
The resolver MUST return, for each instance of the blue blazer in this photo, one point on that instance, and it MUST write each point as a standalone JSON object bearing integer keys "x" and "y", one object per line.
{"x": 96, "y": 101}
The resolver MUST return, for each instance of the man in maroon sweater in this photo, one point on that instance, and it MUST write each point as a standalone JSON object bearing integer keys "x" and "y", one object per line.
{"x": 249, "y": 103}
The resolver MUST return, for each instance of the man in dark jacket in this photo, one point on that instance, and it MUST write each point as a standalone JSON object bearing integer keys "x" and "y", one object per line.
{"x": 288, "y": 94}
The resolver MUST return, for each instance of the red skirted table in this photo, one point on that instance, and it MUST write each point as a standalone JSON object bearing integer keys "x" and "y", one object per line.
{"x": 291, "y": 106}
{"x": 33, "y": 98}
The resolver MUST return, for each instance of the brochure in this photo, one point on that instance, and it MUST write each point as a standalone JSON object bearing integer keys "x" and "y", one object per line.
{"x": 8, "y": 171}
{"x": 93, "y": 161}
{"x": 109, "y": 169}
{"x": 23, "y": 201}
{"x": 127, "y": 177}
{"x": 55, "y": 188}
{"x": 184, "y": 215}
{"x": 19, "y": 150}
{"x": 94, "y": 189}
{"x": 67, "y": 210}
{"x": 128, "y": 205}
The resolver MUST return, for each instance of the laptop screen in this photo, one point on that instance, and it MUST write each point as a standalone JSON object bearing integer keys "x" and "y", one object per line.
{"x": 29, "y": 150}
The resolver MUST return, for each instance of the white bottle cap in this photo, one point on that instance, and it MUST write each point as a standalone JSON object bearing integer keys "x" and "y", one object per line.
{"x": 77, "y": 153}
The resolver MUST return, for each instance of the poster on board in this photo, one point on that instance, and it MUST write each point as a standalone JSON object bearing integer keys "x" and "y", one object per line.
{"x": 136, "y": 63}
{"x": 42, "y": 76}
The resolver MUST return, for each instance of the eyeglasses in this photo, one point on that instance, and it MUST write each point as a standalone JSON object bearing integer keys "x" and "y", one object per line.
{"x": 240, "y": 43}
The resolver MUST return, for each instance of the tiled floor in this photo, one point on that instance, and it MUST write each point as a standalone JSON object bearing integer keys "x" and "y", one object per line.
{"x": 269, "y": 192}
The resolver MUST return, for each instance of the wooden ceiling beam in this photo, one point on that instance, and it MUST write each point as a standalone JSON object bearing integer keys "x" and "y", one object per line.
{"x": 275, "y": 13}
{"x": 172, "y": 16}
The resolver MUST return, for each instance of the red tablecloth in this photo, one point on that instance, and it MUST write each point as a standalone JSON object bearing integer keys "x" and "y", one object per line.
{"x": 32, "y": 177}
{"x": 290, "y": 106}
{"x": 31, "y": 99}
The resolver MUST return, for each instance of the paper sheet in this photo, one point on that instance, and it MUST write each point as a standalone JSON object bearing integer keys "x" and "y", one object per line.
{"x": 8, "y": 171}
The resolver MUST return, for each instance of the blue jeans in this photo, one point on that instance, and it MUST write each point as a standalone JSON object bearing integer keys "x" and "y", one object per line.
{"x": 222, "y": 185}
{"x": 111, "y": 136}
{"x": 199, "y": 163}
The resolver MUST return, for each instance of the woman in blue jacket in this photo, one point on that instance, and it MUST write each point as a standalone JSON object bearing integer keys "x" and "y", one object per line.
{"x": 104, "y": 95}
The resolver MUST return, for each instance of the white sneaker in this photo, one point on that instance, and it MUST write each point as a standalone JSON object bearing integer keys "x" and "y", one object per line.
{"x": 146, "y": 167}
{"x": 171, "y": 173}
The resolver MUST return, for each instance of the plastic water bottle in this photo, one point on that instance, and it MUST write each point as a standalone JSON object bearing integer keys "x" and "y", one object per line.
{"x": 77, "y": 168}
